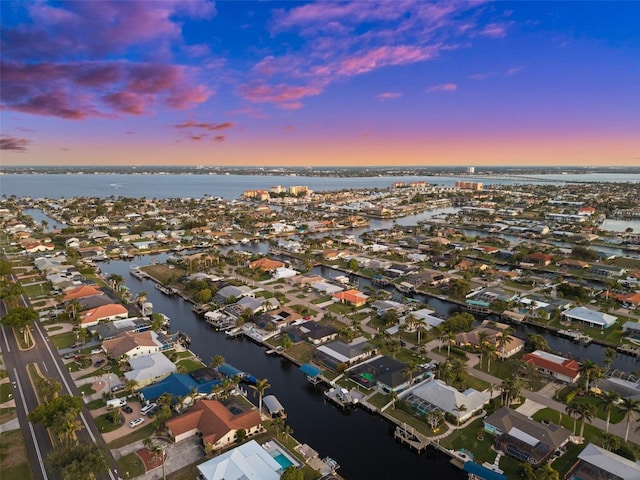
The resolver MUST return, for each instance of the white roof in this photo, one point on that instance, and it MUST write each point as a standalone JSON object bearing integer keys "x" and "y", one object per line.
{"x": 247, "y": 462}
{"x": 424, "y": 315}
{"x": 449, "y": 399}
{"x": 149, "y": 366}
{"x": 610, "y": 462}
{"x": 272, "y": 404}
{"x": 584, "y": 314}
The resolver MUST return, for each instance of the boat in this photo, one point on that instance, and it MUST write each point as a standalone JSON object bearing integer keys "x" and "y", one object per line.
{"x": 166, "y": 290}
{"x": 200, "y": 309}
{"x": 136, "y": 272}
{"x": 405, "y": 287}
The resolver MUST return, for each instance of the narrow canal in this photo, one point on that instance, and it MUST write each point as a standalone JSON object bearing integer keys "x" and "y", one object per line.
{"x": 361, "y": 443}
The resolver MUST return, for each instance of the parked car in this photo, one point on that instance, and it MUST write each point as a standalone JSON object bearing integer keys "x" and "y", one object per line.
{"x": 99, "y": 363}
{"x": 147, "y": 408}
{"x": 153, "y": 411}
{"x": 127, "y": 409}
{"x": 117, "y": 388}
{"x": 96, "y": 351}
{"x": 69, "y": 355}
{"x": 135, "y": 422}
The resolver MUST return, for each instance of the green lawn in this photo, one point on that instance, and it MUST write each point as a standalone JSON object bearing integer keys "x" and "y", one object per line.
{"x": 302, "y": 352}
{"x": 339, "y": 308}
{"x": 86, "y": 389}
{"x": 64, "y": 340}
{"x": 7, "y": 414}
{"x": 5, "y": 390}
{"x": 379, "y": 399}
{"x": 323, "y": 299}
{"x": 617, "y": 415}
{"x": 139, "y": 433}
{"x": 34, "y": 291}
{"x": 131, "y": 466}
{"x": 410, "y": 420}
{"x": 189, "y": 365}
{"x": 96, "y": 404}
{"x": 13, "y": 456}
{"x": 104, "y": 423}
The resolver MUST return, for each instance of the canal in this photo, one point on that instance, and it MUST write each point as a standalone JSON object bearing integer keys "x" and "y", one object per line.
{"x": 360, "y": 442}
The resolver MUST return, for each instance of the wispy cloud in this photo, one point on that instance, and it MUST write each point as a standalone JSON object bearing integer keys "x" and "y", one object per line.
{"x": 337, "y": 42}
{"x": 481, "y": 76}
{"x": 63, "y": 58}
{"x": 514, "y": 70}
{"x": 388, "y": 95}
{"x": 16, "y": 144}
{"x": 443, "y": 87}
{"x": 205, "y": 125}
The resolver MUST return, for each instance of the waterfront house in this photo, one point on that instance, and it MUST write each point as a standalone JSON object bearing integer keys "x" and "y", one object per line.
{"x": 230, "y": 292}
{"x": 436, "y": 394}
{"x": 606, "y": 271}
{"x": 189, "y": 387}
{"x": 106, "y": 313}
{"x": 560, "y": 368}
{"x": 266, "y": 265}
{"x": 493, "y": 332}
{"x": 112, "y": 329}
{"x": 130, "y": 344}
{"x": 384, "y": 373}
{"x": 590, "y": 317}
{"x": 247, "y": 461}
{"x": 149, "y": 368}
{"x": 595, "y": 463}
{"x": 539, "y": 259}
{"x": 523, "y": 438}
{"x": 424, "y": 316}
{"x": 335, "y": 354}
{"x": 214, "y": 423}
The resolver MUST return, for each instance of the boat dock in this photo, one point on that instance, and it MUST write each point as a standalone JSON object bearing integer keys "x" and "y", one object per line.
{"x": 576, "y": 336}
{"x": 170, "y": 291}
{"x": 135, "y": 272}
{"x": 341, "y": 397}
{"x": 632, "y": 350}
{"x": 411, "y": 438}
{"x": 275, "y": 351}
{"x": 234, "y": 332}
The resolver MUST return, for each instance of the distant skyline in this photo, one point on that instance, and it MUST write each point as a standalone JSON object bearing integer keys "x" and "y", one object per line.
{"x": 364, "y": 83}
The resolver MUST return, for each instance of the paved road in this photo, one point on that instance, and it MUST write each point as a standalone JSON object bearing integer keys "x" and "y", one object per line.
{"x": 44, "y": 354}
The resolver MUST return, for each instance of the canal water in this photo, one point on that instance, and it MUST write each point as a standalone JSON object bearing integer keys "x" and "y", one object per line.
{"x": 360, "y": 442}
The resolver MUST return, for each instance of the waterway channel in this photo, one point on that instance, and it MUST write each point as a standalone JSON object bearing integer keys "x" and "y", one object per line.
{"x": 360, "y": 442}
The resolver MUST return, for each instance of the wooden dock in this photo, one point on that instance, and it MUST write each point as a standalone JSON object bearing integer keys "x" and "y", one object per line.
{"x": 411, "y": 438}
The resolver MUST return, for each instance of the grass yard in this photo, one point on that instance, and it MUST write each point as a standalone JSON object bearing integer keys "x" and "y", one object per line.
{"x": 7, "y": 414}
{"x": 617, "y": 415}
{"x": 189, "y": 365}
{"x": 163, "y": 273}
{"x": 322, "y": 299}
{"x": 13, "y": 456}
{"x": 86, "y": 389}
{"x": 302, "y": 352}
{"x": 96, "y": 404}
{"x": 64, "y": 340}
{"x": 5, "y": 390}
{"x": 410, "y": 420}
{"x": 131, "y": 466}
{"x": 38, "y": 290}
{"x": 379, "y": 400}
{"x": 105, "y": 425}
{"x": 139, "y": 433}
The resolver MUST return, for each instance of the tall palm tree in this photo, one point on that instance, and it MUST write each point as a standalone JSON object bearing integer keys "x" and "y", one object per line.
{"x": 503, "y": 340}
{"x": 459, "y": 369}
{"x": 72, "y": 308}
{"x": 630, "y": 407}
{"x": 491, "y": 354}
{"x": 460, "y": 409}
{"x": 610, "y": 355}
{"x": 547, "y": 472}
{"x": 588, "y": 370}
{"x": 608, "y": 400}
{"x": 572, "y": 409}
{"x": 585, "y": 413}
{"x": 439, "y": 333}
{"x": 482, "y": 344}
{"x": 450, "y": 337}
{"x": 260, "y": 387}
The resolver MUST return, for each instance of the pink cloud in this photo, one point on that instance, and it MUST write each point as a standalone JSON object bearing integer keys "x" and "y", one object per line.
{"x": 388, "y": 95}
{"x": 514, "y": 70}
{"x": 443, "y": 87}
{"x": 219, "y": 138}
{"x": 75, "y": 90}
{"x": 16, "y": 144}
{"x": 495, "y": 30}
{"x": 282, "y": 94}
{"x": 384, "y": 56}
{"x": 481, "y": 76}
{"x": 287, "y": 128}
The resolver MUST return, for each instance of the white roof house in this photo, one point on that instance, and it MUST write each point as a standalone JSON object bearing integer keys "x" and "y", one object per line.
{"x": 249, "y": 461}
{"x": 149, "y": 368}
{"x": 612, "y": 465}
{"x": 590, "y": 317}
{"x": 284, "y": 272}
{"x": 328, "y": 288}
{"x": 424, "y": 315}
{"x": 448, "y": 399}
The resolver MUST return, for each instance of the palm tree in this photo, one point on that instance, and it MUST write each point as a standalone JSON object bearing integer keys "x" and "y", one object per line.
{"x": 588, "y": 370}
{"x": 482, "y": 343}
{"x": 608, "y": 400}
{"x": 585, "y": 413}
{"x": 141, "y": 297}
{"x": 459, "y": 369}
{"x": 547, "y": 472}
{"x": 460, "y": 409}
{"x": 260, "y": 387}
{"x": 503, "y": 340}
{"x": 412, "y": 367}
{"x": 630, "y": 407}
{"x": 73, "y": 307}
{"x": 130, "y": 386}
{"x": 450, "y": 337}
{"x": 216, "y": 361}
{"x": 439, "y": 333}
{"x": 572, "y": 409}
{"x": 610, "y": 355}
{"x": 491, "y": 353}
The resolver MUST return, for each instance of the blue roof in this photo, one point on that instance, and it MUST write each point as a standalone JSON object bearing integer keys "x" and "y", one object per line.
{"x": 483, "y": 472}
{"x": 229, "y": 370}
{"x": 310, "y": 370}
{"x": 177, "y": 384}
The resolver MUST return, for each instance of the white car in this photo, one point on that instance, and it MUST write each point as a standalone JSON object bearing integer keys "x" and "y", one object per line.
{"x": 144, "y": 410}
{"x": 135, "y": 422}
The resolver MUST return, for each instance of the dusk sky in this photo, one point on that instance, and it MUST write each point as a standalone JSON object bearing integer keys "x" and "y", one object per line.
{"x": 320, "y": 83}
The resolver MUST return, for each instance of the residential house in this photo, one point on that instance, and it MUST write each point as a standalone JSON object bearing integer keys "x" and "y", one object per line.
{"x": 266, "y": 265}
{"x": 493, "y": 333}
{"x": 131, "y": 344}
{"x": 149, "y": 369}
{"x": 383, "y": 373}
{"x": 590, "y": 317}
{"x": 560, "y": 368}
{"x": 336, "y": 354}
{"x": 82, "y": 291}
{"x": 538, "y": 258}
{"x": 247, "y": 461}
{"x": 106, "y": 313}
{"x": 524, "y": 438}
{"x": 351, "y": 297}
{"x": 214, "y": 423}
{"x": 435, "y": 393}
{"x": 312, "y": 332}
{"x": 596, "y": 463}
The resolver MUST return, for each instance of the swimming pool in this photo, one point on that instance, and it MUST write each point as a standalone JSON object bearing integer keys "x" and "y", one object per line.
{"x": 283, "y": 461}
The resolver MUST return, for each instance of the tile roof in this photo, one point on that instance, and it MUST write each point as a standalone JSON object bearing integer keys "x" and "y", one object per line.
{"x": 562, "y": 366}
{"x": 81, "y": 292}
{"x": 213, "y": 420}
{"x": 101, "y": 312}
